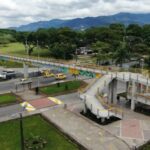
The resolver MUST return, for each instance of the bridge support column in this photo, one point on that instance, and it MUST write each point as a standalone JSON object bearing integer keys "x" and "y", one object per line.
{"x": 127, "y": 87}
{"x": 112, "y": 92}
{"x": 115, "y": 91}
{"x": 109, "y": 99}
{"x": 26, "y": 75}
{"x": 102, "y": 120}
{"x": 85, "y": 107}
{"x": 139, "y": 88}
{"x": 147, "y": 89}
{"x": 133, "y": 96}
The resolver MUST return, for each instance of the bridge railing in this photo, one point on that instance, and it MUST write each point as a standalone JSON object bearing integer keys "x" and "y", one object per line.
{"x": 145, "y": 72}
{"x": 85, "y": 89}
{"x": 146, "y": 97}
{"x": 111, "y": 108}
{"x": 97, "y": 69}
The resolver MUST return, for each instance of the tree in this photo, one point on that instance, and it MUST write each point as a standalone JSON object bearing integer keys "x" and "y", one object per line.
{"x": 103, "y": 51}
{"x": 134, "y": 30}
{"x": 121, "y": 54}
{"x": 62, "y": 50}
{"x": 28, "y": 39}
{"x": 146, "y": 34}
{"x": 31, "y": 42}
{"x": 7, "y": 36}
{"x": 147, "y": 62}
{"x": 101, "y": 46}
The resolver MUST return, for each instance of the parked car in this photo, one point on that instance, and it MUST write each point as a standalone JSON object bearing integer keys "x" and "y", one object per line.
{"x": 7, "y": 74}
{"x": 60, "y": 76}
{"x": 47, "y": 73}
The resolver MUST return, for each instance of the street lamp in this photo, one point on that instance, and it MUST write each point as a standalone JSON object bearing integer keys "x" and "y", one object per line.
{"x": 21, "y": 128}
{"x": 21, "y": 132}
{"x": 37, "y": 89}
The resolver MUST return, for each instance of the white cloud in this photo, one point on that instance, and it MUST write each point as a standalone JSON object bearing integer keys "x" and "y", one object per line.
{"x": 17, "y": 12}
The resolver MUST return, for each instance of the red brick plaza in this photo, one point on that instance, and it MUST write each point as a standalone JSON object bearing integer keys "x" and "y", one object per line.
{"x": 131, "y": 129}
{"x": 42, "y": 103}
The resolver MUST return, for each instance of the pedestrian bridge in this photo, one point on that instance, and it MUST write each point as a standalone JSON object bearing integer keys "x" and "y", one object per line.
{"x": 101, "y": 96}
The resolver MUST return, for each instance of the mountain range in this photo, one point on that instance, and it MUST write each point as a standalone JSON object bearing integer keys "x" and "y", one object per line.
{"x": 83, "y": 23}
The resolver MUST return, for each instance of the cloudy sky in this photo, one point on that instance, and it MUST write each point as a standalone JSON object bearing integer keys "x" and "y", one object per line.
{"x": 18, "y": 12}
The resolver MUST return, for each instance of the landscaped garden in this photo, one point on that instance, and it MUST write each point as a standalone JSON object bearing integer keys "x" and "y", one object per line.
{"x": 61, "y": 88}
{"x": 9, "y": 98}
{"x": 33, "y": 126}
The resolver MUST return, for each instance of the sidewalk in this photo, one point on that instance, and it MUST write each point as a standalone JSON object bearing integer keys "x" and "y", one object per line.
{"x": 83, "y": 131}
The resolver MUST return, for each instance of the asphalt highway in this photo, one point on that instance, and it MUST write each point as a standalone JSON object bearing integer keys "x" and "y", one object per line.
{"x": 10, "y": 85}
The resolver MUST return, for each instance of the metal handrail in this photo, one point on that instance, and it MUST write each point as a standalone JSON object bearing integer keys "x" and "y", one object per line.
{"x": 85, "y": 89}
{"x": 110, "y": 107}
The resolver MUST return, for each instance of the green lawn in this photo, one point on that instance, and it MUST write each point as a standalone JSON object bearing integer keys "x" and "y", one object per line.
{"x": 18, "y": 49}
{"x": 13, "y": 64}
{"x": 10, "y": 64}
{"x": 8, "y": 99}
{"x": 12, "y": 48}
{"x": 37, "y": 126}
{"x": 64, "y": 87}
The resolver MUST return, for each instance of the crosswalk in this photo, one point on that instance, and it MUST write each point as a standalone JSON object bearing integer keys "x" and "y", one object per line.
{"x": 55, "y": 100}
{"x": 28, "y": 107}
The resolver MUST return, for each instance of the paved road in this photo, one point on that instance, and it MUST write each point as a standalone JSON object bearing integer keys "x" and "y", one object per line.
{"x": 10, "y": 85}
{"x": 10, "y": 110}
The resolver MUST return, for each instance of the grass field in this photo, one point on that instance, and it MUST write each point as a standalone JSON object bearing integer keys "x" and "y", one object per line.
{"x": 37, "y": 126}
{"x": 7, "y": 99}
{"x": 18, "y": 49}
{"x": 11, "y": 64}
{"x": 64, "y": 87}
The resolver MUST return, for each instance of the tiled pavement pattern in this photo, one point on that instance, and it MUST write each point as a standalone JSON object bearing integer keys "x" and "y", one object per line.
{"x": 131, "y": 129}
{"x": 135, "y": 131}
{"x": 42, "y": 103}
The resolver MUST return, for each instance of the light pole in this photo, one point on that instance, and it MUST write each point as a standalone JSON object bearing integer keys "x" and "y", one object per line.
{"x": 21, "y": 132}
{"x": 38, "y": 67}
{"x": 21, "y": 128}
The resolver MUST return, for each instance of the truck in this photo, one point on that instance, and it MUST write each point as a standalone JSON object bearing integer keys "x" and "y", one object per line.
{"x": 7, "y": 74}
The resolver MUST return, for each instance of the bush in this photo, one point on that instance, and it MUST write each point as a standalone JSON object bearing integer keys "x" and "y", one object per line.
{"x": 35, "y": 143}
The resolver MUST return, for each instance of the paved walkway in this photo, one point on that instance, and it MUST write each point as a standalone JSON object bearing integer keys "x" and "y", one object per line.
{"x": 134, "y": 128}
{"x": 29, "y": 95}
{"x": 83, "y": 131}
